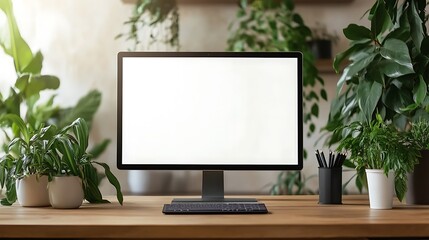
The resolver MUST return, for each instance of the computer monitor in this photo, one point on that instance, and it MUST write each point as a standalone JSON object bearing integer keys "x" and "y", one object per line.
{"x": 211, "y": 112}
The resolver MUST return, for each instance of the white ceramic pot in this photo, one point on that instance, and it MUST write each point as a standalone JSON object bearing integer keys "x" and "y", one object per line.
{"x": 380, "y": 188}
{"x": 66, "y": 192}
{"x": 32, "y": 191}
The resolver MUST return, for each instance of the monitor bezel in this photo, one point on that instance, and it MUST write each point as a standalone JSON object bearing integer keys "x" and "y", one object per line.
{"x": 120, "y": 165}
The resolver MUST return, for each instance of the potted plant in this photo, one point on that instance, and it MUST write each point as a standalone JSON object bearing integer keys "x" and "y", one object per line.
{"x": 36, "y": 157}
{"x": 388, "y": 71}
{"x": 24, "y": 96}
{"x": 321, "y": 42}
{"x": 418, "y": 179}
{"x": 72, "y": 172}
{"x": 159, "y": 19}
{"x": 23, "y": 168}
{"x": 385, "y": 154}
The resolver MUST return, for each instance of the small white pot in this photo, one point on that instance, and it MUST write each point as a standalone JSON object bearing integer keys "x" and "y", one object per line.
{"x": 66, "y": 192}
{"x": 380, "y": 188}
{"x": 32, "y": 191}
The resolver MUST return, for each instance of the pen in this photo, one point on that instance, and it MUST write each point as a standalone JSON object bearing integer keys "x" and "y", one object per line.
{"x": 324, "y": 160}
{"x": 318, "y": 158}
{"x": 337, "y": 160}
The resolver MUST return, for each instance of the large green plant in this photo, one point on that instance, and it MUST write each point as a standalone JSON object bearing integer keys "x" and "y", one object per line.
{"x": 23, "y": 98}
{"x": 377, "y": 145}
{"x": 47, "y": 151}
{"x": 271, "y": 25}
{"x": 388, "y": 71}
{"x": 159, "y": 18}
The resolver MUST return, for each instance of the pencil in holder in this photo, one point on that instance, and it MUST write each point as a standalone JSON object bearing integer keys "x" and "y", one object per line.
{"x": 330, "y": 185}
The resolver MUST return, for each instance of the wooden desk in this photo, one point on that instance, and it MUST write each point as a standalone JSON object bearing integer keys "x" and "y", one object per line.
{"x": 290, "y": 217}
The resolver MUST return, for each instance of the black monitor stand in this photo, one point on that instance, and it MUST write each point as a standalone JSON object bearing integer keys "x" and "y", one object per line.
{"x": 213, "y": 190}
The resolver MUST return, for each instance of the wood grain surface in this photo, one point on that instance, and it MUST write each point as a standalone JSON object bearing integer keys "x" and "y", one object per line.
{"x": 289, "y": 217}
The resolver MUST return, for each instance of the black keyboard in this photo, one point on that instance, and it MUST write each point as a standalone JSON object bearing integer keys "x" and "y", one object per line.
{"x": 215, "y": 208}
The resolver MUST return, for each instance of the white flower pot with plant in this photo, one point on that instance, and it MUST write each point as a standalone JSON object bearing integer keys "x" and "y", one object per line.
{"x": 50, "y": 152}
{"x": 24, "y": 166}
{"x": 385, "y": 153}
{"x": 32, "y": 191}
{"x": 380, "y": 188}
{"x": 66, "y": 192}
{"x": 72, "y": 171}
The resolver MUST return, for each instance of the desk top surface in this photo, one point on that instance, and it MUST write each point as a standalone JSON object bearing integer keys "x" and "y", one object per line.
{"x": 289, "y": 217}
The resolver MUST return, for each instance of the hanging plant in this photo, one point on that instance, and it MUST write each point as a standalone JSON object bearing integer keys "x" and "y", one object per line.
{"x": 153, "y": 22}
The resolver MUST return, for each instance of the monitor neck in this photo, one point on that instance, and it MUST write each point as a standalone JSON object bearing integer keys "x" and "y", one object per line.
{"x": 213, "y": 190}
{"x": 213, "y": 186}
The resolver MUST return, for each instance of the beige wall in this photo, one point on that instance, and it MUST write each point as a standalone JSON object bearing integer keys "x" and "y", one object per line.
{"x": 77, "y": 40}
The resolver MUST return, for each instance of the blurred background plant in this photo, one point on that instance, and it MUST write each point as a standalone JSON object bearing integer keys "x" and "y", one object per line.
{"x": 25, "y": 98}
{"x": 156, "y": 20}
{"x": 270, "y": 25}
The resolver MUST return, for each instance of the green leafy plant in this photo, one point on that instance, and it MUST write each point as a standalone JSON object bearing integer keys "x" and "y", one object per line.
{"x": 377, "y": 145}
{"x": 270, "y": 25}
{"x": 47, "y": 151}
{"x": 420, "y": 133}
{"x": 291, "y": 183}
{"x": 24, "y": 96}
{"x": 25, "y": 155}
{"x": 69, "y": 156}
{"x": 388, "y": 71}
{"x": 160, "y": 18}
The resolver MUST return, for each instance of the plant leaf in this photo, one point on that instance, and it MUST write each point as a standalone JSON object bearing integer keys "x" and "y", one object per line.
{"x": 357, "y": 32}
{"x": 85, "y": 108}
{"x": 396, "y": 100}
{"x": 416, "y": 25}
{"x": 419, "y": 93}
{"x": 315, "y": 110}
{"x": 11, "y": 41}
{"x": 361, "y": 61}
{"x": 16, "y": 120}
{"x": 393, "y": 69}
{"x": 397, "y": 51}
{"x": 113, "y": 180}
{"x": 38, "y": 83}
{"x": 323, "y": 94}
{"x": 380, "y": 21}
{"x": 35, "y": 66}
{"x": 369, "y": 93}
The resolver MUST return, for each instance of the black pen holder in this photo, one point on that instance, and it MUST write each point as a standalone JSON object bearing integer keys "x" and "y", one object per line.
{"x": 330, "y": 185}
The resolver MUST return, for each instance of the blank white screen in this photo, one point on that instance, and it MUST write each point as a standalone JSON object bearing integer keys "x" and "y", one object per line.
{"x": 240, "y": 111}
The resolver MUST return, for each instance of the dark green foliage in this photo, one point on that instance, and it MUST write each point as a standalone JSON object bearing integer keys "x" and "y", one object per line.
{"x": 388, "y": 71}
{"x": 376, "y": 145}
